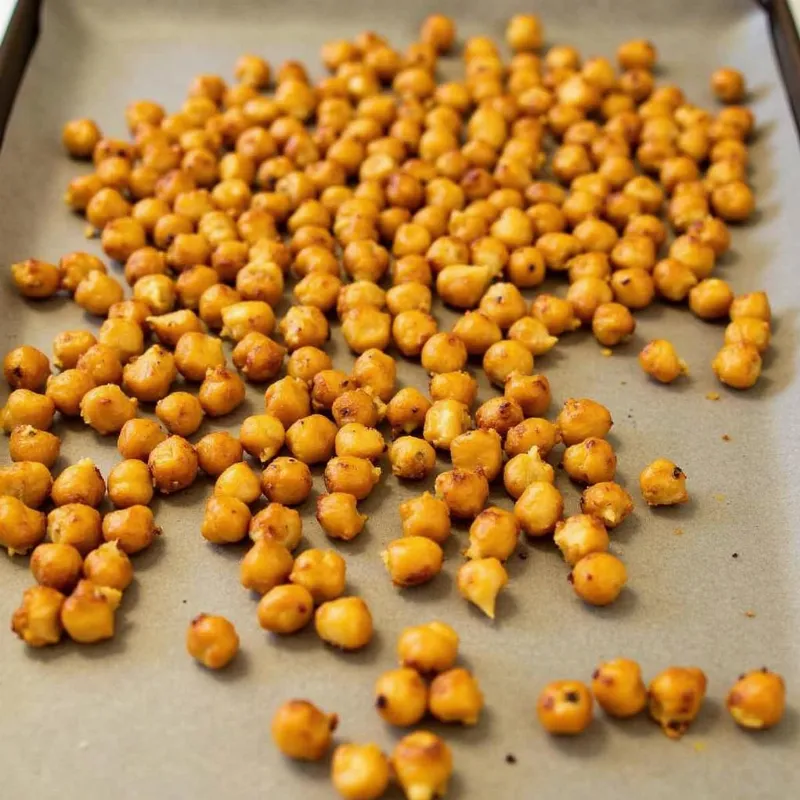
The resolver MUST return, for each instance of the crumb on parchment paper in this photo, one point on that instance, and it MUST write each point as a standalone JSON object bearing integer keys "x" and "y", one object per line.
{"x": 712, "y": 396}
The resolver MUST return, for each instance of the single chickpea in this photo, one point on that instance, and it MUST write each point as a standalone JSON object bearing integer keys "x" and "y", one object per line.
{"x": 180, "y": 412}
{"x": 757, "y": 700}
{"x": 76, "y": 524}
{"x": 438, "y": 31}
{"x": 108, "y": 566}
{"x": 80, "y": 137}
{"x": 444, "y": 421}
{"x": 97, "y": 292}
{"x": 663, "y": 484}
{"x": 480, "y": 581}
{"x": 506, "y": 357}
{"x": 212, "y": 641}
{"x": 581, "y": 419}
{"x": 286, "y": 481}
{"x": 69, "y": 346}
{"x": 675, "y": 697}
{"x": 36, "y": 280}
{"x": 579, "y": 535}
{"x": 754, "y": 305}
{"x": 711, "y": 298}
{"x": 196, "y": 353}
{"x": 173, "y": 465}
{"x": 462, "y": 286}
{"x": 477, "y": 331}
{"x": 138, "y": 437}
{"x": 226, "y": 519}
{"x": 555, "y": 313}
{"x": 28, "y": 481}
{"x": 288, "y": 399}
{"x": 455, "y": 696}
{"x": 306, "y": 362}
{"x": 612, "y": 323}
{"x": 221, "y": 391}
{"x": 26, "y": 368}
{"x": 673, "y": 280}
{"x": 598, "y": 578}
{"x": 304, "y": 326}
{"x": 460, "y": 386}
{"x": 618, "y": 687}
{"x": 366, "y": 328}
{"x": 465, "y": 492}
{"x": 27, "y": 443}
{"x": 607, "y": 501}
{"x": 132, "y": 528}
{"x": 357, "y": 405}
{"x": 408, "y": 410}
{"x": 81, "y": 190}
{"x": 129, "y": 484}
{"x": 149, "y": 377}
{"x": 694, "y": 254}
{"x": 443, "y": 352}
{"x": 301, "y": 731}
{"x": 412, "y": 458}
{"x": 123, "y": 335}
{"x": 377, "y": 371}
{"x": 412, "y": 560}
{"x": 262, "y": 436}
{"x": 478, "y": 450}
{"x": 430, "y": 648}
{"x": 361, "y": 441}
{"x": 422, "y": 764}
{"x": 107, "y": 408}
{"x": 266, "y": 564}
{"x": 57, "y": 566}
{"x": 37, "y": 620}
{"x": 327, "y": 386}
{"x": 24, "y": 407}
{"x": 285, "y": 609}
{"x": 591, "y": 461}
{"x": 733, "y": 202}
{"x": 494, "y": 533}
{"x": 411, "y": 330}
{"x": 564, "y": 708}
{"x": 321, "y": 572}
{"x": 425, "y": 516}
{"x": 239, "y": 481}
{"x": 338, "y": 515}
{"x": 743, "y": 330}
{"x": 659, "y": 360}
{"x": 737, "y": 365}
{"x": 524, "y": 469}
{"x": 504, "y": 304}
{"x": 311, "y": 439}
{"x": 277, "y": 523}
{"x": 79, "y": 483}
{"x": 728, "y": 85}
{"x": 21, "y": 528}
{"x": 401, "y": 697}
{"x": 539, "y": 508}
{"x": 633, "y": 287}
{"x": 345, "y": 622}
{"x": 355, "y": 476}
{"x": 533, "y": 334}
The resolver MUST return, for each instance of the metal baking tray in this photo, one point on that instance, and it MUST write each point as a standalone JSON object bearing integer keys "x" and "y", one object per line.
{"x": 136, "y": 718}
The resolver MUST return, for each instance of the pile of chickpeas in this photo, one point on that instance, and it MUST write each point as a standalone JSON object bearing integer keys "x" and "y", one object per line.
{"x": 368, "y": 193}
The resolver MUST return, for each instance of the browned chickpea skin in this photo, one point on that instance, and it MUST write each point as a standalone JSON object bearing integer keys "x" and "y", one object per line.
{"x": 27, "y": 443}
{"x": 564, "y": 708}
{"x": 618, "y": 687}
{"x": 217, "y": 451}
{"x": 173, "y": 465}
{"x": 738, "y": 365}
{"x": 633, "y": 287}
{"x": 311, "y": 440}
{"x": 149, "y": 377}
{"x": 75, "y": 524}
{"x": 221, "y": 391}
{"x": 579, "y": 535}
{"x": 506, "y": 357}
{"x": 408, "y": 410}
{"x": 711, "y": 299}
{"x": 28, "y": 481}
{"x": 663, "y": 483}
{"x": 338, "y": 515}
{"x": 757, "y": 700}
{"x": 79, "y": 483}
{"x": 366, "y": 328}
{"x": 674, "y": 699}
{"x": 411, "y": 329}
{"x": 412, "y": 560}
{"x": 285, "y": 609}
{"x": 212, "y": 641}
{"x": 465, "y": 492}
{"x": 69, "y": 346}
{"x": 129, "y": 484}
{"x": 742, "y": 330}
{"x": 286, "y": 481}
{"x": 608, "y": 501}
{"x": 301, "y": 731}
{"x": 107, "y": 408}
{"x": 591, "y": 461}
{"x": 532, "y": 432}
{"x": 321, "y": 572}
{"x": 612, "y": 324}
{"x": 659, "y": 359}
{"x": 26, "y": 367}
{"x": 37, "y": 620}
{"x": 238, "y": 481}
{"x": 108, "y": 566}
{"x": 728, "y": 84}
{"x": 673, "y": 279}
{"x": 266, "y": 564}
{"x": 555, "y": 313}
{"x": 24, "y": 407}
{"x": 132, "y": 528}
{"x": 81, "y": 190}
{"x": 21, "y": 527}
{"x": 357, "y": 405}
{"x": 598, "y": 578}
{"x": 258, "y": 357}
{"x": 458, "y": 385}
{"x": 327, "y": 386}
{"x": 581, "y": 419}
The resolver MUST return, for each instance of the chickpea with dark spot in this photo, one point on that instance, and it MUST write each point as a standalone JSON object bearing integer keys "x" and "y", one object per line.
{"x": 564, "y": 708}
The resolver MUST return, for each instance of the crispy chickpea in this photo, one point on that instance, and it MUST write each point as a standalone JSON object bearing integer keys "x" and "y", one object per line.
{"x": 757, "y": 700}
{"x": 307, "y": 362}
{"x": 412, "y": 458}
{"x": 132, "y": 528}
{"x": 711, "y": 298}
{"x": 480, "y": 581}
{"x": 439, "y": 31}
{"x": 75, "y": 524}
{"x": 591, "y": 461}
{"x": 239, "y": 481}
{"x": 31, "y": 444}
{"x": 123, "y": 335}
{"x": 355, "y": 439}
{"x": 582, "y": 418}
{"x": 659, "y": 360}
{"x": 69, "y": 346}
{"x": 586, "y": 295}
{"x": 409, "y": 408}
{"x": 533, "y": 334}
{"x": 88, "y": 613}
{"x": 352, "y": 475}
{"x": 728, "y": 85}
{"x": 37, "y": 620}
{"x": 524, "y": 469}
{"x": 411, "y": 330}
{"x": 277, "y": 523}
{"x": 673, "y": 279}
{"x": 79, "y": 483}
{"x": 663, "y": 483}
{"x": 80, "y": 137}
{"x": 366, "y": 328}
{"x": 36, "y": 280}
{"x": 226, "y": 519}
{"x": 754, "y": 305}
{"x": 345, "y": 622}
{"x": 733, "y": 202}
{"x": 444, "y": 421}
{"x": 81, "y": 190}
{"x": 212, "y": 641}
{"x": 301, "y": 731}
{"x": 633, "y": 287}
{"x": 564, "y": 708}
{"x": 357, "y": 405}
{"x": 674, "y": 698}
{"x": 26, "y": 368}
{"x": 138, "y": 437}
{"x": 579, "y": 535}
{"x": 109, "y": 566}
{"x": 129, "y": 484}
{"x": 258, "y": 357}
{"x": 598, "y": 578}
{"x": 21, "y": 528}
{"x": 694, "y": 254}
{"x": 266, "y": 564}
{"x": 107, "y": 408}
{"x": 376, "y": 371}
{"x": 493, "y": 534}
{"x": 499, "y": 414}
{"x": 412, "y": 560}
{"x": 28, "y": 481}
{"x": 285, "y": 609}
{"x": 173, "y": 465}
{"x": 506, "y": 357}
{"x": 737, "y": 365}
{"x": 321, "y": 572}
{"x": 304, "y": 326}
{"x": 743, "y": 330}
{"x": 464, "y": 491}
{"x": 618, "y": 687}
{"x": 422, "y": 764}
{"x": 262, "y": 436}
{"x": 311, "y": 439}
{"x": 401, "y": 697}
{"x": 612, "y": 323}
{"x": 338, "y": 515}
{"x": 607, "y": 501}
{"x": 286, "y": 481}
{"x": 196, "y": 353}
{"x": 443, "y": 352}
{"x": 478, "y": 450}
{"x": 539, "y": 508}
{"x": 504, "y": 304}
{"x": 242, "y": 318}
{"x": 456, "y": 697}
{"x": 24, "y": 407}
{"x": 180, "y": 412}
{"x": 57, "y": 566}
{"x": 555, "y": 313}
{"x": 221, "y": 391}
{"x": 149, "y": 377}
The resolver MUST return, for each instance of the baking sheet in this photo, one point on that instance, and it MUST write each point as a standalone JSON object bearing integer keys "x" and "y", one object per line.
{"x": 136, "y": 718}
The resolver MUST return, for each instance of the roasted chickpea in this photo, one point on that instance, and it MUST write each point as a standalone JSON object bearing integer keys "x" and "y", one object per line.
{"x": 132, "y": 528}
{"x": 737, "y": 365}
{"x": 301, "y": 731}
{"x": 286, "y": 481}
{"x": 480, "y": 581}
{"x": 352, "y": 475}
{"x": 564, "y": 708}
{"x": 581, "y": 419}
{"x": 524, "y": 469}
{"x": 728, "y": 85}
{"x": 757, "y": 700}
{"x": 743, "y": 330}
{"x": 618, "y": 687}
{"x": 663, "y": 483}
{"x": 37, "y": 620}
{"x": 76, "y": 524}
{"x": 24, "y": 407}
{"x": 285, "y": 609}
{"x": 267, "y": 564}
{"x": 506, "y": 357}
{"x": 80, "y": 137}
{"x": 180, "y": 412}
{"x": 258, "y": 357}
{"x": 598, "y": 578}
{"x": 88, "y": 613}
{"x": 612, "y": 323}
{"x": 21, "y": 528}
{"x": 733, "y": 202}
{"x": 138, "y": 437}
{"x": 327, "y": 386}
{"x": 539, "y": 508}
{"x": 67, "y": 389}
{"x": 412, "y": 560}
{"x": 456, "y": 697}
{"x": 444, "y": 421}
{"x": 408, "y": 410}
{"x": 607, "y": 501}
{"x": 28, "y": 481}
{"x": 711, "y": 298}
{"x": 412, "y": 458}
{"x": 226, "y": 519}
{"x": 443, "y": 352}
{"x": 129, "y": 484}
{"x": 321, "y": 572}
{"x": 478, "y": 450}
{"x": 659, "y": 360}
{"x": 464, "y": 491}
{"x": 579, "y": 535}
{"x": 108, "y": 566}
{"x": 173, "y": 465}
{"x": 212, "y": 641}
{"x": 422, "y": 764}
{"x": 69, "y": 346}
{"x": 345, "y": 622}
{"x": 713, "y": 232}
{"x": 555, "y": 313}
{"x": 29, "y": 444}
{"x": 462, "y": 286}
{"x": 36, "y": 280}
{"x": 411, "y": 330}
{"x": 311, "y": 439}
{"x": 459, "y": 386}
{"x": 500, "y": 414}
{"x": 107, "y": 408}
{"x": 57, "y": 566}
{"x": 674, "y": 699}
{"x": 357, "y": 405}
{"x": 221, "y": 391}
{"x": 365, "y": 328}
{"x": 26, "y": 368}
{"x": 673, "y": 279}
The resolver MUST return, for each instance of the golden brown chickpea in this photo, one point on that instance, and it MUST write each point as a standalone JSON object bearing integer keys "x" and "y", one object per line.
{"x": 88, "y": 613}
{"x": 149, "y": 377}
{"x": 357, "y": 405}
{"x": 539, "y": 508}
{"x": 633, "y": 287}
{"x": 411, "y": 329}
{"x": 129, "y": 484}
{"x": 564, "y": 708}
{"x": 586, "y": 295}
{"x": 598, "y": 578}
{"x": 506, "y": 357}
{"x": 345, "y": 622}
{"x": 173, "y": 465}
{"x": 266, "y": 564}
{"x": 69, "y": 346}
{"x": 443, "y": 352}
{"x": 581, "y": 419}
{"x": 456, "y": 697}
{"x": 408, "y": 297}
{"x": 438, "y": 31}
{"x": 612, "y": 323}
{"x": 138, "y": 437}
{"x": 500, "y": 414}
{"x": 121, "y": 237}
{"x": 21, "y": 528}
{"x": 97, "y": 292}
{"x": 155, "y": 291}
{"x": 376, "y": 371}
{"x": 412, "y": 458}
{"x": 663, "y": 483}
{"x": 75, "y": 524}
{"x": 339, "y": 517}
{"x": 216, "y": 452}
{"x": 711, "y": 298}
{"x": 408, "y": 410}
{"x": 196, "y": 353}
{"x": 24, "y": 407}
{"x": 108, "y": 566}
{"x": 258, "y": 357}
{"x": 28, "y": 444}
{"x": 311, "y": 439}
{"x": 286, "y": 481}
{"x": 713, "y": 232}
{"x": 674, "y": 699}
{"x": 579, "y": 535}
{"x": 532, "y": 334}
{"x": 459, "y": 386}
{"x": 462, "y": 286}
{"x": 531, "y": 432}
{"x": 555, "y": 313}
{"x": 524, "y": 469}
{"x": 226, "y": 519}
{"x": 673, "y": 280}
{"x": 79, "y": 483}
{"x": 37, "y": 620}
{"x": 123, "y": 335}
{"x": 26, "y": 367}
{"x": 130, "y": 311}
{"x": 464, "y": 491}
{"x": 366, "y": 328}
{"x": 425, "y": 516}
{"x": 659, "y": 360}
{"x": 478, "y": 450}
{"x": 412, "y": 560}
{"x": 618, "y": 687}
{"x": 132, "y": 528}
{"x": 285, "y": 609}
{"x": 530, "y": 392}
{"x": 221, "y": 391}
{"x": 28, "y": 481}
{"x": 742, "y": 330}
{"x": 321, "y": 573}
{"x": 301, "y": 731}
{"x": 757, "y": 700}
{"x": 80, "y": 137}
{"x": 422, "y": 764}
{"x": 737, "y": 365}
{"x": 634, "y": 252}
{"x": 444, "y": 420}
{"x": 401, "y": 697}
{"x": 107, "y": 408}
{"x": 733, "y": 202}
{"x": 239, "y": 481}
{"x": 57, "y": 566}
{"x": 81, "y": 190}
{"x": 493, "y": 534}
{"x": 728, "y": 85}
{"x": 212, "y": 641}
{"x": 591, "y": 461}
